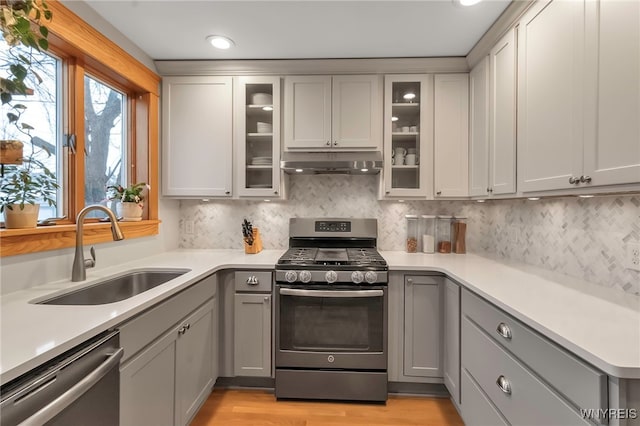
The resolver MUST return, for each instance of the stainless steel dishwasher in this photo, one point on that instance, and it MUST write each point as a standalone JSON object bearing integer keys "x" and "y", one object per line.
{"x": 79, "y": 387}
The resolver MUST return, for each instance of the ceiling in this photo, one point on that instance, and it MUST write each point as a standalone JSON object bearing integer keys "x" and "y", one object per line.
{"x": 176, "y": 29}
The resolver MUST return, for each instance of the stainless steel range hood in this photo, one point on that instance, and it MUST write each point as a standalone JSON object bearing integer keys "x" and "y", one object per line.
{"x": 369, "y": 162}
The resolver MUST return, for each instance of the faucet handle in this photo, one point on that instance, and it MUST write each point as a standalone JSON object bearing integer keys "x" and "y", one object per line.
{"x": 90, "y": 263}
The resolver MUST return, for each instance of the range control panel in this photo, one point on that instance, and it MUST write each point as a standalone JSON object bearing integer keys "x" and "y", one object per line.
{"x": 333, "y": 226}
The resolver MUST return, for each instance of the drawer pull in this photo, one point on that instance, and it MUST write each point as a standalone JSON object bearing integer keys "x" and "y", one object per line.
{"x": 504, "y": 385}
{"x": 253, "y": 280}
{"x": 504, "y": 330}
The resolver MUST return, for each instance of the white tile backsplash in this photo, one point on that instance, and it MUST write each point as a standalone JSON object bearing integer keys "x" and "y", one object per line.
{"x": 582, "y": 238}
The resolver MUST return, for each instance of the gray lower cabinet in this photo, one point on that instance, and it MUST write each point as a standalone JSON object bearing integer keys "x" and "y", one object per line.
{"x": 514, "y": 371}
{"x": 165, "y": 377}
{"x": 451, "y": 339}
{"x": 252, "y": 335}
{"x": 252, "y": 324}
{"x": 423, "y": 317}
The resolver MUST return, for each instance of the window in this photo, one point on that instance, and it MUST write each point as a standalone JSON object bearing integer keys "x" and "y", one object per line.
{"x": 97, "y": 112}
{"x": 42, "y": 112}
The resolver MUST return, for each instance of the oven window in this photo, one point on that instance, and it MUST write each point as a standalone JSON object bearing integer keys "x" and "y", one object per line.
{"x": 331, "y": 324}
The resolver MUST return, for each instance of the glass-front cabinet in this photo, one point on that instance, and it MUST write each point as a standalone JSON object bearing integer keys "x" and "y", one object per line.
{"x": 258, "y": 136}
{"x": 408, "y": 136}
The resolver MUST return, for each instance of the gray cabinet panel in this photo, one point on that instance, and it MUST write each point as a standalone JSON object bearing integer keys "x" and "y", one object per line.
{"x": 576, "y": 380}
{"x": 254, "y": 281}
{"x": 477, "y": 409}
{"x": 423, "y": 326}
{"x": 194, "y": 372}
{"x": 252, "y": 335}
{"x": 528, "y": 401}
{"x": 146, "y": 327}
{"x": 451, "y": 339}
{"x": 147, "y": 385}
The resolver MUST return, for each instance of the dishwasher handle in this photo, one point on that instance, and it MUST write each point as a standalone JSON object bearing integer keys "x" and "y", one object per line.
{"x": 56, "y": 406}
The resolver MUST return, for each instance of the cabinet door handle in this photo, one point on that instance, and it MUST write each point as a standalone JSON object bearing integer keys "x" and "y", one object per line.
{"x": 188, "y": 326}
{"x": 227, "y": 192}
{"x": 328, "y": 143}
{"x": 504, "y": 385}
{"x": 253, "y": 280}
{"x": 585, "y": 179}
{"x": 266, "y": 299}
{"x": 335, "y": 143}
{"x": 182, "y": 330}
{"x": 275, "y": 192}
{"x": 574, "y": 181}
{"x": 439, "y": 193}
{"x": 409, "y": 281}
{"x": 504, "y": 330}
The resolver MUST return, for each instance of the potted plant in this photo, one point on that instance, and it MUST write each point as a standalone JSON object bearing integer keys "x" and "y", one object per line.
{"x": 129, "y": 200}
{"x": 25, "y": 181}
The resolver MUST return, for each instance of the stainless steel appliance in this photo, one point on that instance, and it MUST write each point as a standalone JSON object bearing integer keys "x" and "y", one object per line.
{"x": 80, "y": 387}
{"x": 331, "y": 312}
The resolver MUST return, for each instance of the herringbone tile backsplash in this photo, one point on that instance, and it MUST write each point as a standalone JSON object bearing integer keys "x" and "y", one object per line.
{"x": 583, "y": 238}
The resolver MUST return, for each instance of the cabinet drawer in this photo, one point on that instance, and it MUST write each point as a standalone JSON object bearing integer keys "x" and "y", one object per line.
{"x": 146, "y": 327}
{"x": 254, "y": 281}
{"x": 577, "y": 381}
{"x": 528, "y": 401}
{"x": 477, "y": 410}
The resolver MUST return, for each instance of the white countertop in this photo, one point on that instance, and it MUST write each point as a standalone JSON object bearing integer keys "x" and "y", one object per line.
{"x": 600, "y": 325}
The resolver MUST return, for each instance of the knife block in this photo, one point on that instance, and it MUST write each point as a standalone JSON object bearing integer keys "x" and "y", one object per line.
{"x": 256, "y": 247}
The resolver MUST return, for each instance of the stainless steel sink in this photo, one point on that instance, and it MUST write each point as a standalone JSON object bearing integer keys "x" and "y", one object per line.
{"x": 116, "y": 288}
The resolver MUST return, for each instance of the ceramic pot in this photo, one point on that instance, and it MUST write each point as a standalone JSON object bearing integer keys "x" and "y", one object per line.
{"x": 21, "y": 218}
{"x": 130, "y": 212}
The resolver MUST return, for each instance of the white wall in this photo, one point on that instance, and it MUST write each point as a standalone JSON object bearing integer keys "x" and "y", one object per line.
{"x": 24, "y": 271}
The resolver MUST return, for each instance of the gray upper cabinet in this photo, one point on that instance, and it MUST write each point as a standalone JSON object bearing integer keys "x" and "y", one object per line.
{"x": 451, "y": 339}
{"x": 423, "y": 349}
{"x": 197, "y": 137}
{"x": 327, "y": 113}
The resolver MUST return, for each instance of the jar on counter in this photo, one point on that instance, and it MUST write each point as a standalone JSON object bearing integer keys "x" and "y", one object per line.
{"x": 443, "y": 234}
{"x": 458, "y": 234}
{"x": 428, "y": 233}
{"x": 412, "y": 233}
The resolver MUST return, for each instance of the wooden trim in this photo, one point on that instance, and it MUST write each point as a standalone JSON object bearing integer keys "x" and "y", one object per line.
{"x": 78, "y": 159}
{"x": 281, "y": 67}
{"x": 73, "y": 30}
{"x": 22, "y": 241}
{"x": 153, "y": 105}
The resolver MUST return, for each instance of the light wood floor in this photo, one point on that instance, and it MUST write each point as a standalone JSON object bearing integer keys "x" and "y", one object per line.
{"x": 260, "y": 408}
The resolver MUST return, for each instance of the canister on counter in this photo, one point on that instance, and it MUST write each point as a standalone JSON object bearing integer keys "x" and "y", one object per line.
{"x": 428, "y": 232}
{"x": 458, "y": 234}
{"x": 443, "y": 234}
{"x": 412, "y": 233}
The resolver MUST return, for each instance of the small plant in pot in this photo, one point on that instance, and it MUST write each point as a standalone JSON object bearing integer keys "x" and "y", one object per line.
{"x": 25, "y": 180}
{"x": 130, "y": 200}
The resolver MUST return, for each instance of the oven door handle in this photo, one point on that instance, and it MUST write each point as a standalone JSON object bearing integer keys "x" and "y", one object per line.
{"x": 330, "y": 293}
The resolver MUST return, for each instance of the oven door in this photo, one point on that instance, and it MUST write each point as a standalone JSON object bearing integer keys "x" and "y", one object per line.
{"x": 331, "y": 327}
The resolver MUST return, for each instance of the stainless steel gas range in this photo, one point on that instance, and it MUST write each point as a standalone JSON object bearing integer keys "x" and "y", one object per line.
{"x": 331, "y": 312}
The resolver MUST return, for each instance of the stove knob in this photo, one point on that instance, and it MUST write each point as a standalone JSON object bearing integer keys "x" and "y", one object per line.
{"x": 371, "y": 277}
{"x": 357, "y": 277}
{"x": 291, "y": 276}
{"x": 305, "y": 276}
{"x": 331, "y": 277}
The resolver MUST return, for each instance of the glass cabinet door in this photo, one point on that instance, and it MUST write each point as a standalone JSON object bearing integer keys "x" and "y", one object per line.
{"x": 408, "y": 141}
{"x": 258, "y": 136}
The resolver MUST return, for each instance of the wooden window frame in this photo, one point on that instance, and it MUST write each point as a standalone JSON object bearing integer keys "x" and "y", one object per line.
{"x": 83, "y": 48}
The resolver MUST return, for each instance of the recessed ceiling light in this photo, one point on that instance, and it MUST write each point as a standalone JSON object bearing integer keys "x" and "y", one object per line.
{"x": 220, "y": 42}
{"x": 299, "y": 170}
{"x": 533, "y": 198}
{"x": 480, "y": 201}
{"x": 394, "y": 118}
{"x": 585, "y": 196}
{"x": 267, "y": 201}
{"x": 364, "y": 170}
{"x": 409, "y": 96}
{"x": 467, "y": 2}
{"x": 401, "y": 201}
{"x": 267, "y": 108}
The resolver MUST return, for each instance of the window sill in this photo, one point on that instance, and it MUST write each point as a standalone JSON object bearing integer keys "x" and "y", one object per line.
{"x": 23, "y": 241}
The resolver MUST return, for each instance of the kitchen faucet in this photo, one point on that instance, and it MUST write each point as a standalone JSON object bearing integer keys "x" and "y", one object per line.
{"x": 78, "y": 272}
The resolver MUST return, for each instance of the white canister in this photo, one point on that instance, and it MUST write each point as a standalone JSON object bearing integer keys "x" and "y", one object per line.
{"x": 428, "y": 243}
